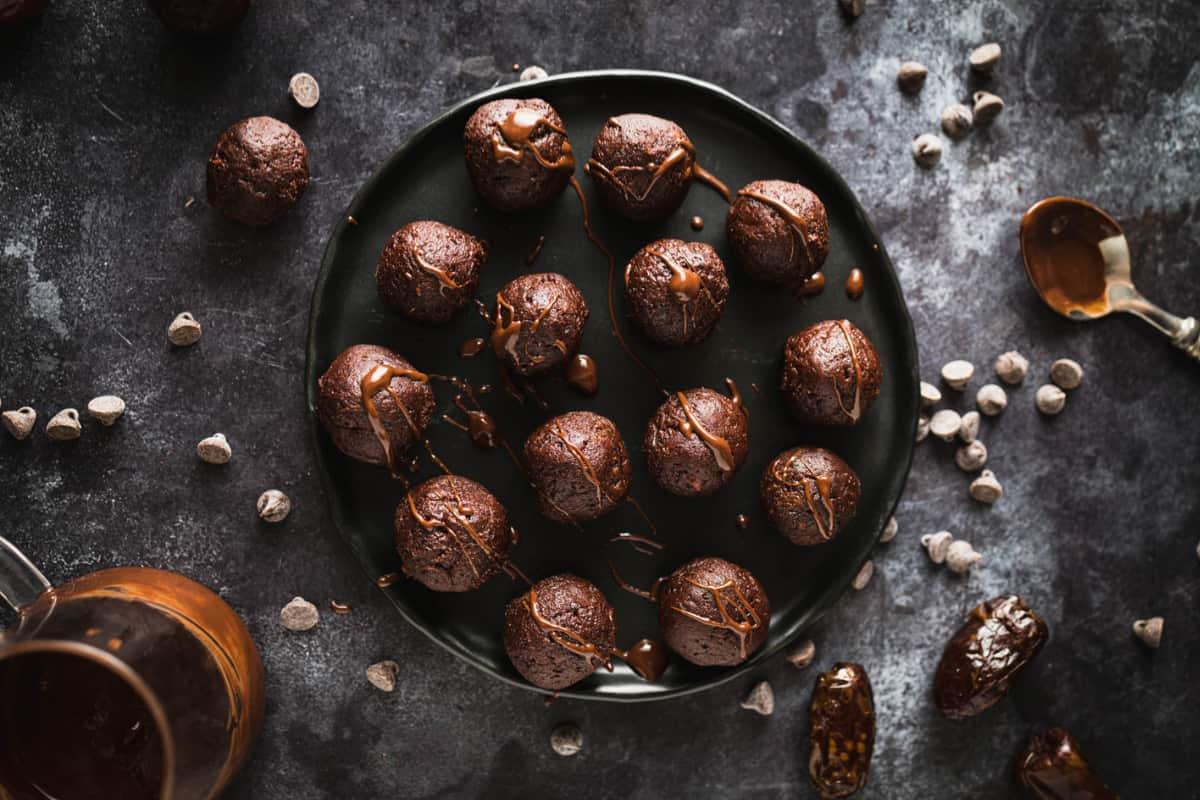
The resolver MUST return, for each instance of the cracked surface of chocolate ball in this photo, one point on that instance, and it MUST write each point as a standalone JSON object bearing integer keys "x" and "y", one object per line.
{"x": 695, "y": 442}
{"x": 809, "y": 494}
{"x": 578, "y": 465}
{"x": 642, "y": 166}
{"x": 676, "y": 290}
{"x": 779, "y": 231}
{"x": 713, "y": 612}
{"x": 559, "y": 632}
{"x": 831, "y": 373}
{"x": 428, "y": 271}
{"x": 517, "y": 153}
{"x": 538, "y": 322}
{"x": 257, "y": 171}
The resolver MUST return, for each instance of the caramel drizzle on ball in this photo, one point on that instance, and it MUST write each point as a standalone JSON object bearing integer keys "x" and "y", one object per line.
{"x": 799, "y": 226}
{"x": 505, "y": 337}
{"x": 855, "y": 411}
{"x": 378, "y": 379}
{"x": 823, "y": 484}
{"x": 719, "y": 446}
{"x": 461, "y": 514}
{"x": 685, "y": 284}
{"x": 589, "y": 471}
{"x": 741, "y": 628}
{"x": 567, "y": 638}
{"x": 679, "y": 153}
{"x": 442, "y": 275}
{"x": 514, "y": 135}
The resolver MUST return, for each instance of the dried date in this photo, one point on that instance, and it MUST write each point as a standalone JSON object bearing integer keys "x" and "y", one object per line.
{"x": 841, "y": 719}
{"x": 1052, "y": 768}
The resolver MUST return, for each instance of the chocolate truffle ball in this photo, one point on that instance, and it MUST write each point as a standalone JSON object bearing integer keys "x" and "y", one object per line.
{"x": 378, "y": 422}
{"x": 517, "y": 153}
{"x": 831, "y": 373}
{"x": 642, "y": 166}
{"x": 578, "y": 465}
{"x": 809, "y": 494}
{"x": 428, "y": 271}
{"x": 677, "y": 290}
{"x": 452, "y": 534}
{"x": 538, "y": 322}
{"x": 200, "y": 16}
{"x": 257, "y": 171}
{"x": 713, "y": 613}
{"x": 559, "y": 632}
{"x": 695, "y": 441}
{"x": 778, "y": 231}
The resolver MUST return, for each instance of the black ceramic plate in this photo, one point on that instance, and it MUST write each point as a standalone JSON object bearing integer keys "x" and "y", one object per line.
{"x": 426, "y": 179}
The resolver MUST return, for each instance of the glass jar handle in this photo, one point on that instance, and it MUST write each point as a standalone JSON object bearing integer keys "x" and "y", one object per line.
{"x": 20, "y": 581}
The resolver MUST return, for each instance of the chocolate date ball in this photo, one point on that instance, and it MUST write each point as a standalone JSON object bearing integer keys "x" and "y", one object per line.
{"x": 452, "y": 534}
{"x": 779, "y": 231}
{"x": 200, "y": 16}
{"x": 713, "y": 613}
{"x": 677, "y": 290}
{"x": 642, "y": 166}
{"x": 559, "y": 632}
{"x": 578, "y": 465}
{"x": 257, "y": 171}
{"x": 809, "y": 494}
{"x": 428, "y": 271}
{"x": 517, "y": 153}
{"x": 374, "y": 404}
{"x": 695, "y": 441}
{"x": 831, "y": 373}
{"x": 538, "y": 322}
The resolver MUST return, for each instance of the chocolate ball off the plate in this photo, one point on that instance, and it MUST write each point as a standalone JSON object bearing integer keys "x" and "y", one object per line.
{"x": 642, "y": 166}
{"x": 428, "y": 271}
{"x": 713, "y": 612}
{"x": 517, "y": 153}
{"x": 779, "y": 231}
{"x": 538, "y": 322}
{"x": 578, "y": 465}
{"x": 810, "y": 494}
{"x": 676, "y": 290}
{"x": 200, "y": 16}
{"x": 559, "y": 632}
{"x": 374, "y": 404}
{"x": 452, "y": 534}
{"x": 695, "y": 441}
{"x": 831, "y": 373}
{"x": 257, "y": 171}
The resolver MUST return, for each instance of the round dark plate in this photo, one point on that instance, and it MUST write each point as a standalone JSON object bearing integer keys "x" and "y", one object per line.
{"x": 426, "y": 179}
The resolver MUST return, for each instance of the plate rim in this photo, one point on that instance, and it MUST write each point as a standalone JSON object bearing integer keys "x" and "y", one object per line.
{"x": 329, "y": 254}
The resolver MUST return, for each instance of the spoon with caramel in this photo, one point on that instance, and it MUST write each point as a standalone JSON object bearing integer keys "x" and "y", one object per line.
{"x": 1077, "y": 259}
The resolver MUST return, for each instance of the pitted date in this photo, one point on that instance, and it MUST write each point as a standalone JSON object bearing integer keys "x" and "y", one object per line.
{"x": 998, "y": 639}
{"x": 1052, "y": 768}
{"x": 841, "y": 723}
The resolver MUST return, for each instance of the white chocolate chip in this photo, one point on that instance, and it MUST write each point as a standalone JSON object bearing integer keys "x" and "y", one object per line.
{"x": 761, "y": 699}
{"x": 1066, "y": 374}
{"x": 957, "y": 374}
{"x": 1011, "y": 367}
{"x": 299, "y": 615}
{"x": 971, "y": 457}
{"x": 382, "y": 675}
{"x": 911, "y": 77}
{"x": 986, "y": 108}
{"x": 937, "y": 544}
{"x": 991, "y": 399}
{"x": 864, "y": 576}
{"x": 945, "y": 424}
{"x": 922, "y": 428}
{"x": 566, "y": 739}
{"x": 968, "y": 429}
{"x": 274, "y": 506}
{"x": 1050, "y": 399}
{"x": 534, "y": 73}
{"x": 927, "y": 150}
{"x": 214, "y": 450}
{"x": 19, "y": 423}
{"x": 802, "y": 655}
{"x": 889, "y": 530}
{"x": 64, "y": 426}
{"x": 956, "y": 120}
{"x": 304, "y": 90}
{"x": 1149, "y": 631}
{"x": 960, "y": 557}
{"x": 983, "y": 58}
{"x": 107, "y": 409}
{"x": 985, "y": 488}
{"x": 184, "y": 330}
{"x": 930, "y": 395}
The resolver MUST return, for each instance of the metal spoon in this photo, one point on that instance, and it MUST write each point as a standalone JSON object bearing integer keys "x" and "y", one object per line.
{"x": 1077, "y": 258}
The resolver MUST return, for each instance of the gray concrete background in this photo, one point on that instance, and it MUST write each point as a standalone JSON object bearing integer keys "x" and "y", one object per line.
{"x": 105, "y": 122}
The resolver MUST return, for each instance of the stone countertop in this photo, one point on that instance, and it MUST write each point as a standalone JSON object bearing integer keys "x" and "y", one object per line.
{"x": 105, "y": 123}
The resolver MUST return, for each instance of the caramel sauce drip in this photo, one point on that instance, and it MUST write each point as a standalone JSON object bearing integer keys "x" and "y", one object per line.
{"x": 567, "y": 638}
{"x": 813, "y": 285}
{"x": 697, "y": 223}
{"x": 735, "y": 395}
{"x": 471, "y": 348}
{"x": 461, "y": 514}
{"x": 340, "y": 609}
{"x": 480, "y": 427}
{"x": 581, "y": 373}
{"x": 680, "y": 153}
{"x": 1062, "y": 254}
{"x": 513, "y": 136}
{"x": 719, "y": 446}
{"x": 386, "y": 580}
{"x": 685, "y": 283}
{"x": 643, "y": 544}
{"x": 789, "y": 214}
{"x": 727, "y": 607}
{"x": 713, "y": 182}
{"x": 536, "y": 251}
{"x": 379, "y": 378}
{"x": 651, "y": 595}
{"x": 855, "y": 411}
{"x": 855, "y": 284}
{"x": 823, "y": 484}
{"x": 589, "y": 471}
{"x": 742, "y": 521}
{"x": 647, "y": 658}
{"x": 443, "y": 277}
{"x": 505, "y": 337}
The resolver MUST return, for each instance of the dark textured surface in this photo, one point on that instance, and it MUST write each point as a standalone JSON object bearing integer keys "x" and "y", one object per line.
{"x": 105, "y": 122}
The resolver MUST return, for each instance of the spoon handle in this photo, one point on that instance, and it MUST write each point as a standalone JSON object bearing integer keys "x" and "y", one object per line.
{"x": 1184, "y": 332}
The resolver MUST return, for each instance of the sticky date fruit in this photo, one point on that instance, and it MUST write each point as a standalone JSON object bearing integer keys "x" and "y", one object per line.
{"x": 1052, "y": 768}
{"x": 998, "y": 639}
{"x": 841, "y": 731}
